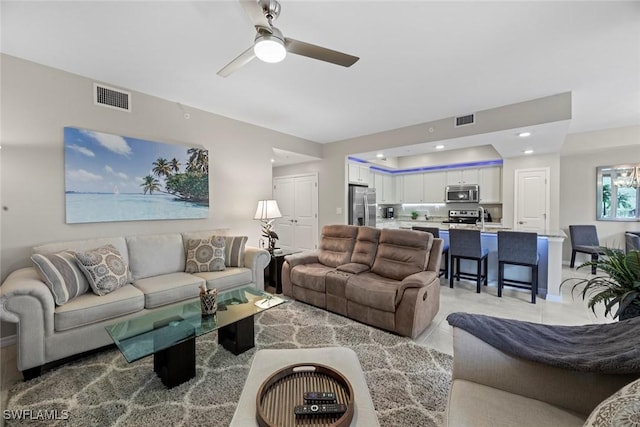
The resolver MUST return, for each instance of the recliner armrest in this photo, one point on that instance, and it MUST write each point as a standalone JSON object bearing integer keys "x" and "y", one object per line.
{"x": 353, "y": 268}
{"x": 308, "y": 257}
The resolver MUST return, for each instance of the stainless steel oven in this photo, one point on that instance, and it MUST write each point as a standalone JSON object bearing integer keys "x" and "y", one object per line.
{"x": 462, "y": 194}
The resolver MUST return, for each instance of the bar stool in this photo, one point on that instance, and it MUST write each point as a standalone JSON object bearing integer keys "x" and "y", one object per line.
{"x": 584, "y": 239}
{"x": 518, "y": 248}
{"x": 445, "y": 248}
{"x": 467, "y": 244}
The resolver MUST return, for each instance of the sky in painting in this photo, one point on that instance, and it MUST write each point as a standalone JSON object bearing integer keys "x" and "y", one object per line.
{"x": 101, "y": 162}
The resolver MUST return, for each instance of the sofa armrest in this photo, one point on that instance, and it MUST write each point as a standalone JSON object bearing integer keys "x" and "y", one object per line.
{"x": 307, "y": 257}
{"x": 476, "y": 361}
{"x": 28, "y": 302}
{"x": 257, "y": 260}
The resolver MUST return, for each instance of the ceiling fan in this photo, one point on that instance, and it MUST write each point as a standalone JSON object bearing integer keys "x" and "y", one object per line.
{"x": 271, "y": 46}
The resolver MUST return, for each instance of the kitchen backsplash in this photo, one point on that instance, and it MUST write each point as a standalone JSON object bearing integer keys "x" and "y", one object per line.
{"x": 441, "y": 212}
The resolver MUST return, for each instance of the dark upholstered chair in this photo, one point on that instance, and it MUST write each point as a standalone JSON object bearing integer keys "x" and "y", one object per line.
{"x": 584, "y": 239}
{"x": 518, "y": 248}
{"x": 444, "y": 270}
{"x": 467, "y": 244}
{"x": 632, "y": 241}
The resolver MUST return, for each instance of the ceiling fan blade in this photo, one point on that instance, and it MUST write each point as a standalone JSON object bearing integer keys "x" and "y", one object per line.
{"x": 242, "y": 60}
{"x": 254, "y": 10}
{"x": 321, "y": 53}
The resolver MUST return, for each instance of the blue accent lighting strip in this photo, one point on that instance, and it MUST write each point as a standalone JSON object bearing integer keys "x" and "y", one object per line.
{"x": 498, "y": 162}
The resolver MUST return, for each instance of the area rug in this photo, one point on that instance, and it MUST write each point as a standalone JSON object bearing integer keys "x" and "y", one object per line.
{"x": 408, "y": 382}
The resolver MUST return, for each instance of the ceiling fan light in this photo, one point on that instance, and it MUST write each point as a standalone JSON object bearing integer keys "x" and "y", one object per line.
{"x": 269, "y": 49}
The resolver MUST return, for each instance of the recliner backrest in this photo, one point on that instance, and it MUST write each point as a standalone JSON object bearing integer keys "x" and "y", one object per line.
{"x": 366, "y": 246}
{"x": 402, "y": 253}
{"x": 336, "y": 244}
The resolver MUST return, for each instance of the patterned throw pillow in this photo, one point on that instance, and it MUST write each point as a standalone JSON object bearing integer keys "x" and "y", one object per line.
{"x": 105, "y": 269}
{"x": 205, "y": 255}
{"x": 234, "y": 251}
{"x": 621, "y": 409}
{"x": 61, "y": 274}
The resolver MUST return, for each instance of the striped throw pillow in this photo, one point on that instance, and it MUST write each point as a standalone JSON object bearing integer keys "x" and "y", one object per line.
{"x": 234, "y": 250}
{"x": 60, "y": 272}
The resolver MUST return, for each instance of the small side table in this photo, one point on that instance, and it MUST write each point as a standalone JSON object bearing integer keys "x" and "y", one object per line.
{"x": 273, "y": 272}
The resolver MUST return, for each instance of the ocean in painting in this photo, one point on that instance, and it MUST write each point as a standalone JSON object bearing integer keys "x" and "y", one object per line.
{"x": 106, "y": 207}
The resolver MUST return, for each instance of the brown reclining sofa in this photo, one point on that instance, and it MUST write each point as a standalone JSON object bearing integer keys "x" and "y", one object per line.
{"x": 385, "y": 278}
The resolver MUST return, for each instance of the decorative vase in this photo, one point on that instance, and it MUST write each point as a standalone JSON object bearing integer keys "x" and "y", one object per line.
{"x": 630, "y": 312}
{"x": 208, "y": 302}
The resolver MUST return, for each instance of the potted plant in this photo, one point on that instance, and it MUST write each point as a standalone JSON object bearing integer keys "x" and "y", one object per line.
{"x": 414, "y": 214}
{"x": 620, "y": 285}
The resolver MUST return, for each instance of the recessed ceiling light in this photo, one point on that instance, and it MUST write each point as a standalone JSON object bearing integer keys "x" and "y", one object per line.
{"x": 524, "y": 134}
{"x": 439, "y": 147}
{"x": 273, "y": 160}
{"x": 379, "y": 155}
{"x": 529, "y": 151}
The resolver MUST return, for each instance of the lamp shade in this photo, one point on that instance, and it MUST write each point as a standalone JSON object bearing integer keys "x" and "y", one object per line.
{"x": 267, "y": 209}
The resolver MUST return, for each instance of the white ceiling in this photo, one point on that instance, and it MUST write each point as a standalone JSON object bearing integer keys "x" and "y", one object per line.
{"x": 420, "y": 60}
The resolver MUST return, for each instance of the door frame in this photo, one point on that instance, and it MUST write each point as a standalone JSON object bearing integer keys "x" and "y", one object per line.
{"x": 547, "y": 195}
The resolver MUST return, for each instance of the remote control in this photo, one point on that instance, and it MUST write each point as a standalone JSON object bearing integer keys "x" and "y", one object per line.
{"x": 321, "y": 409}
{"x": 319, "y": 397}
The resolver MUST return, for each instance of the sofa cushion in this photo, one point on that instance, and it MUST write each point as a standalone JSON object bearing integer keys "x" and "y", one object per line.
{"x": 336, "y": 244}
{"x": 90, "y": 308}
{"x": 205, "y": 255}
{"x": 366, "y": 246}
{"x": 375, "y": 291}
{"x": 61, "y": 274}
{"x": 229, "y": 278}
{"x": 622, "y": 408}
{"x": 402, "y": 253}
{"x": 353, "y": 268}
{"x": 105, "y": 269}
{"x": 472, "y": 404}
{"x": 156, "y": 254}
{"x": 310, "y": 276}
{"x": 168, "y": 288}
{"x": 84, "y": 245}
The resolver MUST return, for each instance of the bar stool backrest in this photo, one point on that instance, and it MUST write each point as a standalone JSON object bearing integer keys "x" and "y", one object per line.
{"x": 518, "y": 247}
{"x": 583, "y": 235}
{"x": 465, "y": 243}
{"x": 433, "y": 230}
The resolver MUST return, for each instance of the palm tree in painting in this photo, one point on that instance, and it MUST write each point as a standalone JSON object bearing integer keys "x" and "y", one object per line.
{"x": 150, "y": 184}
{"x": 161, "y": 167}
{"x": 175, "y": 165}
{"x": 198, "y": 160}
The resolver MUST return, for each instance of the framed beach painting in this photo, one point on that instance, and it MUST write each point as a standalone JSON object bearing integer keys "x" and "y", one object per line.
{"x": 117, "y": 178}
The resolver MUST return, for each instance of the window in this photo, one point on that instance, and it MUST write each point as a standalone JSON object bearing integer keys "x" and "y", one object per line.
{"x": 618, "y": 193}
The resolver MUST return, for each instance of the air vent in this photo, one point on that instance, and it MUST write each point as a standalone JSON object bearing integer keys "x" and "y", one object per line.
{"x": 110, "y": 97}
{"x": 465, "y": 120}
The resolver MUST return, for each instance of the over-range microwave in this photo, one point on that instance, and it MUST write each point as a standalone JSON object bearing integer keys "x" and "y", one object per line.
{"x": 462, "y": 194}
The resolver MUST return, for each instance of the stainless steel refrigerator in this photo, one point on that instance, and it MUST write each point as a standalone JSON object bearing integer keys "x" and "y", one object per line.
{"x": 362, "y": 205}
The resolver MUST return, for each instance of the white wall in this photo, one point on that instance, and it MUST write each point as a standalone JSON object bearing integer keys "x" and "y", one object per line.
{"x": 37, "y": 102}
{"x": 581, "y": 154}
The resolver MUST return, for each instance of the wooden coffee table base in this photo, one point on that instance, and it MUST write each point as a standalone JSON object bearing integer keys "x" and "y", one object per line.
{"x": 238, "y": 337}
{"x": 176, "y": 364}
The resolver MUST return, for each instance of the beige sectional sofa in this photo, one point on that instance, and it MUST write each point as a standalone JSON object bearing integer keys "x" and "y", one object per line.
{"x": 384, "y": 278}
{"x": 47, "y": 332}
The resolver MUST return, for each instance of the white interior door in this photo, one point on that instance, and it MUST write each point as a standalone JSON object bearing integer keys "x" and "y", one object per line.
{"x": 297, "y": 198}
{"x": 532, "y": 200}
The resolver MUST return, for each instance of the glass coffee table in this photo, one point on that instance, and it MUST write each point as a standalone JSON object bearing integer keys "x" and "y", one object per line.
{"x": 170, "y": 334}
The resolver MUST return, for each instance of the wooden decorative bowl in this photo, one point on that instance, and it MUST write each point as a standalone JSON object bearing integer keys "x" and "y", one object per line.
{"x": 282, "y": 391}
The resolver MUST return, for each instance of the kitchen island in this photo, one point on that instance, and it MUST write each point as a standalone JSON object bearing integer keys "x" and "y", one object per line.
{"x": 549, "y": 250}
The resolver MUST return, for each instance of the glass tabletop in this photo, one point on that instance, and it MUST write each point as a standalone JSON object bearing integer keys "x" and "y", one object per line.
{"x": 144, "y": 335}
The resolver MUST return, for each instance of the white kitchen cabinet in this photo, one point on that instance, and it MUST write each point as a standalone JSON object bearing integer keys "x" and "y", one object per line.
{"x": 412, "y": 188}
{"x": 398, "y": 182}
{"x": 490, "y": 182}
{"x": 433, "y": 184}
{"x": 377, "y": 179}
{"x": 388, "y": 189}
{"x": 462, "y": 176}
{"x": 358, "y": 174}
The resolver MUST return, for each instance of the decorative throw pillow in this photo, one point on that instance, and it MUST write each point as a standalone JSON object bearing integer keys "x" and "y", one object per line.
{"x": 105, "y": 269}
{"x": 620, "y": 409}
{"x": 205, "y": 255}
{"x": 234, "y": 250}
{"x": 60, "y": 272}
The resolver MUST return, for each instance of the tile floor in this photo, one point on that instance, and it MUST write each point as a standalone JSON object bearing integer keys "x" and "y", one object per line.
{"x": 514, "y": 304}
